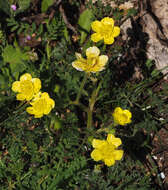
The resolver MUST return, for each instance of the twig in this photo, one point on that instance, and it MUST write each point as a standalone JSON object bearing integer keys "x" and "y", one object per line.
{"x": 66, "y": 20}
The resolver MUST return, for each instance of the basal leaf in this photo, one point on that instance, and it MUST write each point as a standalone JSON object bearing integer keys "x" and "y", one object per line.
{"x": 84, "y": 22}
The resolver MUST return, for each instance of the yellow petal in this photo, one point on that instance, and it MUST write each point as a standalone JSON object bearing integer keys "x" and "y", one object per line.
{"x": 111, "y": 139}
{"x": 30, "y": 110}
{"x": 16, "y": 86}
{"x": 127, "y": 113}
{"x": 117, "y": 110}
{"x": 47, "y": 110}
{"x": 26, "y": 76}
{"x": 96, "y": 37}
{"x": 108, "y": 40}
{"x": 78, "y": 65}
{"x": 96, "y": 155}
{"x": 109, "y": 162}
{"x": 36, "y": 84}
{"x": 92, "y": 52}
{"x": 96, "y": 143}
{"x": 103, "y": 60}
{"x": 96, "y": 26}
{"x": 38, "y": 116}
{"x": 52, "y": 103}
{"x": 108, "y": 21}
{"x": 116, "y": 31}
{"x": 20, "y": 97}
{"x": 45, "y": 95}
{"x": 97, "y": 68}
{"x": 118, "y": 154}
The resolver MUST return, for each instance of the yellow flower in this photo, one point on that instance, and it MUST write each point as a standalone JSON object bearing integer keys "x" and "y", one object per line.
{"x": 121, "y": 117}
{"x": 27, "y": 87}
{"x": 106, "y": 150}
{"x": 42, "y": 104}
{"x": 93, "y": 63}
{"x": 104, "y": 30}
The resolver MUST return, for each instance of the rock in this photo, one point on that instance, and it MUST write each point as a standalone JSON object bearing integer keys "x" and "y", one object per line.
{"x": 154, "y": 21}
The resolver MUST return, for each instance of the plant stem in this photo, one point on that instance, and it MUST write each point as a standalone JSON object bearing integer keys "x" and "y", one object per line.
{"x": 81, "y": 88}
{"x": 91, "y": 105}
{"x": 89, "y": 118}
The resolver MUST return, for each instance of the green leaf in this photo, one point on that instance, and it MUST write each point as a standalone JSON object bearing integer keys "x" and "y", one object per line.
{"x": 24, "y": 4}
{"x": 84, "y": 22}
{"x": 4, "y": 5}
{"x": 3, "y": 81}
{"x": 15, "y": 57}
{"x": 45, "y": 4}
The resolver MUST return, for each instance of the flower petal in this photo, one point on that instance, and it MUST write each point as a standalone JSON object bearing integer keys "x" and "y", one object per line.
{"x": 16, "y": 86}
{"x": 96, "y": 37}
{"x": 109, "y": 162}
{"x": 108, "y": 21}
{"x": 20, "y": 97}
{"x": 36, "y": 84}
{"x": 118, "y": 110}
{"x": 52, "y": 103}
{"x": 26, "y": 76}
{"x": 116, "y": 31}
{"x": 127, "y": 113}
{"x": 96, "y": 155}
{"x": 38, "y": 116}
{"x": 30, "y": 110}
{"x": 118, "y": 154}
{"x": 111, "y": 139}
{"x": 103, "y": 60}
{"x": 96, "y": 143}
{"x": 78, "y": 65}
{"x": 92, "y": 52}
{"x": 96, "y": 26}
{"x": 108, "y": 40}
{"x": 45, "y": 95}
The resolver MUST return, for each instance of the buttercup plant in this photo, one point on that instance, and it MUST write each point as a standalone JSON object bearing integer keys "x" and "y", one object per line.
{"x": 92, "y": 64}
{"x": 59, "y": 119}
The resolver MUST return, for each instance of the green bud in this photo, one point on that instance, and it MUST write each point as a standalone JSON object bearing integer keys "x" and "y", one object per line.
{"x": 57, "y": 88}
